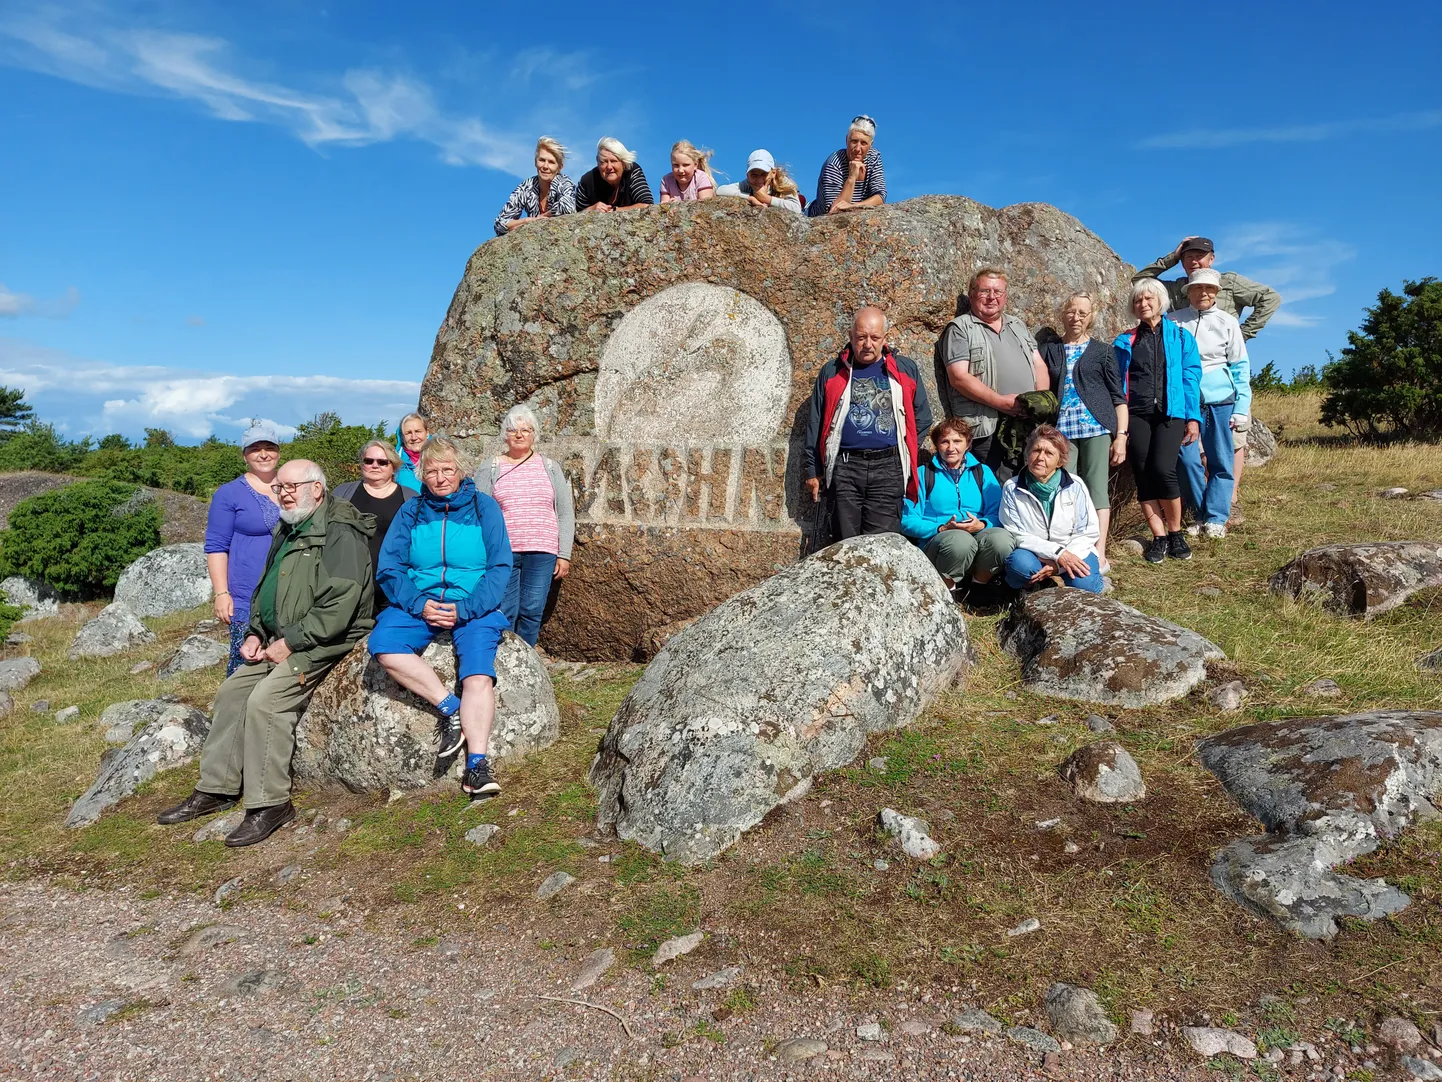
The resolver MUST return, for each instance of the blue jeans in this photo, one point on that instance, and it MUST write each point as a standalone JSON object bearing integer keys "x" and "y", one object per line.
{"x": 1022, "y": 564}
{"x": 526, "y": 592}
{"x": 1208, "y": 490}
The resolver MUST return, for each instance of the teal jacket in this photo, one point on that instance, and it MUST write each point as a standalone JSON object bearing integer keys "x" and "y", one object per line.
{"x": 942, "y": 496}
{"x": 406, "y": 475}
{"x": 1184, "y": 369}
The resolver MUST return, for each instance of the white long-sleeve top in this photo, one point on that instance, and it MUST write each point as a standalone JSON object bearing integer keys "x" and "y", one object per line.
{"x": 1072, "y": 524}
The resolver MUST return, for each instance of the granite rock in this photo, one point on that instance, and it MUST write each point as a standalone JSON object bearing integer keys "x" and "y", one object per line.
{"x": 171, "y": 739}
{"x": 1364, "y": 579}
{"x": 17, "y": 672}
{"x": 35, "y": 596}
{"x": 1261, "y": 444}
{"x": 114, "y": 630}
{"x": 169, "y": 579}
{"x": 1077, "y": 1015}
{"x": 194, "y": 653}
{"x": 1104, "y": 773}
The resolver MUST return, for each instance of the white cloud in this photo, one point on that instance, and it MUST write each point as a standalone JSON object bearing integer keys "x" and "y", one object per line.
{"x": 1291, "y": 259}
{"x": 15, "y": 305}
{"x": 87, "y": 397}
{"x": 1218, "y": 138}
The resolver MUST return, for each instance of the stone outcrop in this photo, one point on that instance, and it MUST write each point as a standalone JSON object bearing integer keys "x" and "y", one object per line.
{"x": 1104, "y": 773}
{"x": 196, "y": 652}
{"x": 169, "y": 579}
{"x": 114, "y": 630}
{"x": 367, "y": 733}
{"x": 120, "y": 720}
{"x": 172, "y": 738}
{"x": 17, "y": 672}
{"x": 670, "y": 354}
{"x": 1261, "y": 444}
{"x": 37, "y": 598}
{"x": 739, "y": 711}
{"x": 1078, "y": 645}
{"x": 1362, "y": 580}
{"x": 1328, "y": 790}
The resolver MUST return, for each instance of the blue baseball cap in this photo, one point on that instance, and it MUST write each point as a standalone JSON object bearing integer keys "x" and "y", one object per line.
{"x": 259, "y": 432}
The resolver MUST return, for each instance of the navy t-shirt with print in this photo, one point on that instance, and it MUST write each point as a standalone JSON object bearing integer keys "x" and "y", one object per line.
{"x": 870, "y": 422}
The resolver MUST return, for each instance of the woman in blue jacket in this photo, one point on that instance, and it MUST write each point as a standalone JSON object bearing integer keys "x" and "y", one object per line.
{"x": 444, "y": 565}
{"x": 1162, "y": 373}
{"x": 954, "y": 516}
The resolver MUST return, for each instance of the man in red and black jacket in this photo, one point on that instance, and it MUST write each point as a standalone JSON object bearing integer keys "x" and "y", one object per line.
{"x": 862, "y": 442}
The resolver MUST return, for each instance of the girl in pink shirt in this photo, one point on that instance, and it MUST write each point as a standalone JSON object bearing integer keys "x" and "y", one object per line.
{"x": 690, "y": 179}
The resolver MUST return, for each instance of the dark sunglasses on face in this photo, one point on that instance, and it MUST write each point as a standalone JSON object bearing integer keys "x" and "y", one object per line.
{"x": 375, "y": 462}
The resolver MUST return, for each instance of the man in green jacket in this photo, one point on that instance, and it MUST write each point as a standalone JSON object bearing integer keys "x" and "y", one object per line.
{"x": 314, "y": 602}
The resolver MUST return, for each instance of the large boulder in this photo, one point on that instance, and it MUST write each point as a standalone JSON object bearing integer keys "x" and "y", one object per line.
{"x": 169, "y": 579}
{"x": 1261, "y": 444}
{"x": 194, "y": 653}
{"x": 1362, "y": 580}
{"x": 172, "y": 738}
{"x": 1328, "y": 790}
{"x": 120, "y": 720}
{"x": 364, "y": 731}
{"x": 37, "y": 598}
{"x": 1078, "y": 645}
{"x": 114, "y": 630}
{"x": 670, "y": 354}
{"x": 739, "y": 711}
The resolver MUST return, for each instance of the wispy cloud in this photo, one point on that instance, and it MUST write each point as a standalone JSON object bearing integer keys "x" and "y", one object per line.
{"x": 1219, "y": 138}
{"x": 15, "y": 305}
{"x": 89, "y": 397}
{"x": 1291, "y": 259}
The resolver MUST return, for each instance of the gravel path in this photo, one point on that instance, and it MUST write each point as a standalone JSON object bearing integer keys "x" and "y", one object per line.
{"x": 104, "y": 985}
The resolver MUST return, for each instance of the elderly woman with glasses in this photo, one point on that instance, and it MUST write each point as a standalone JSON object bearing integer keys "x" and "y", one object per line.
{"x": 1051, "y": 515}
{"x": 379, "y": 495}
{"x": 535, "y": 500}
{"x": 852, "y": 178}
{"x": 445, "y": 565}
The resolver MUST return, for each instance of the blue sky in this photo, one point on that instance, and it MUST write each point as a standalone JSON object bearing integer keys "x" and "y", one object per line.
{"x": 211, "y": 211}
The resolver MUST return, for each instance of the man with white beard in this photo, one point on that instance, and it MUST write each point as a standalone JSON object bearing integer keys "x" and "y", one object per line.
{"x": 314, "y": 602}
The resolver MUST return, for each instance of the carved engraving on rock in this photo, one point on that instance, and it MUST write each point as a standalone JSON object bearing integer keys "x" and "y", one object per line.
{"x": 696, "y": 362}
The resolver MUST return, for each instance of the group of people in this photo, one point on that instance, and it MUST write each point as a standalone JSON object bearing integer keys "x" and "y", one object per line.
{"x": 1015, "y": 488}
{"x": 851, "y": 179}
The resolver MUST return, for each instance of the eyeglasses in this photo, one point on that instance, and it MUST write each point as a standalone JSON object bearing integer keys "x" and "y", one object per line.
{"x": 442, "y": 471}
{"x": 375, "y": 461}
{"x": 991, "y": 292}
{"x": 290, "y": 486}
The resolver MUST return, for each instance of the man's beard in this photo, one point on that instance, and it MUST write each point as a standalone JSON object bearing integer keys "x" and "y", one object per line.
{"x": 302, "y": 510}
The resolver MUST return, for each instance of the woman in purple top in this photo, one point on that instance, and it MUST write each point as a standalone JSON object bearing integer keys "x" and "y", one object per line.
{"x": 243, "y": 514}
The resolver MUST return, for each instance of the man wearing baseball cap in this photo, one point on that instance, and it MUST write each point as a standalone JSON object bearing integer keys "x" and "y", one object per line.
{"x": 765, "y": 185}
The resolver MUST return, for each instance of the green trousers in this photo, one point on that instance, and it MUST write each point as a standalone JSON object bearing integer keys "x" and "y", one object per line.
{"x": 252, "y": 735}
{"x": 958, "y": 554}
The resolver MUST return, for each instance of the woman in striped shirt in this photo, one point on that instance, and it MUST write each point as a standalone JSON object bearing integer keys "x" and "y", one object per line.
{"x": 548, "y": 194}
{"x": 852, "y": 178}
{"x": 535, "y": 500}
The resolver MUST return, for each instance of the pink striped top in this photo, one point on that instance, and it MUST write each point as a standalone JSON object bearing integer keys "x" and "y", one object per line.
{"x": 528, "y": 504}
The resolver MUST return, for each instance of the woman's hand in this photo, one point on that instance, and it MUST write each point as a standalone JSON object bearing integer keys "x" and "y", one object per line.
{"x": 1119, "y": 450}
{"x": 439, "y": 614}
{"x": 858, "y": 169}
{"x": 1048, "y": 569}
{"x": 563, "y": 568}
{"x": 971, "y": 525}
{"x": 1194, "y": 433}
{"x": 224, "y": 607}
{"x": 1072, "y": 564}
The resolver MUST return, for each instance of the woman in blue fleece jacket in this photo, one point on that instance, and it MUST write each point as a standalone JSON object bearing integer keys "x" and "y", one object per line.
{"x": 444, "y": 565}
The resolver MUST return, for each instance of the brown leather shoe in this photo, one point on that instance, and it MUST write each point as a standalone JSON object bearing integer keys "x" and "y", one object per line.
{"x": 260, "y": 824}
{"x": 195, "y": 806}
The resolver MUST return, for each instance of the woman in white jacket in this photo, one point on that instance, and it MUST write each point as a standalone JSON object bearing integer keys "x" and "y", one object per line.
{"x": 1052, "y": 517}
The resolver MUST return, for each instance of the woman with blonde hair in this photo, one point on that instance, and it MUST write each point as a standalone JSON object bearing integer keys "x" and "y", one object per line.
{"x": 411, "y": 436}
{"x": 766, "y": 184}
{"x": 548, "y": 194}
{"x": 617, "y": 182}
{"x": 690, "y": 179}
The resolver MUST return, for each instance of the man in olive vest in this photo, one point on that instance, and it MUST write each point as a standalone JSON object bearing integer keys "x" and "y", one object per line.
{"x": 989, "y": 359}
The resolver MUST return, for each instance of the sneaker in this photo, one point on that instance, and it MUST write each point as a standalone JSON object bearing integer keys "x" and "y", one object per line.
{"x": 1193, "y": 530}
{"x": 449, "y": 735}
{"x": 1214, "y": 529}
{"x": 1177, "y": 547}
{"x": 1157, "y": 550}
{"x": 477, "y": 782}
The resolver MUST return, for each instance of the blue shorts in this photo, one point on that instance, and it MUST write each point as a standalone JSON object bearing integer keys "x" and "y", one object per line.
{"x": 397, "y": 632}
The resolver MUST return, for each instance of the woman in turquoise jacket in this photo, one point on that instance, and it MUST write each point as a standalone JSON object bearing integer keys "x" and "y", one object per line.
{"x": 1162, "y": 375}
{"x": 954, "y": 516}
{"x": 411, "y": 437}
{"x": 445, "y": 565}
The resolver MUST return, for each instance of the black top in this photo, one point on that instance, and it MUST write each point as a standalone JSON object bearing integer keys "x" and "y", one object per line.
{"x": 1096, "y": 375}
{"x": 633, "y": 189}
{"x": 384, "y": 511}
{"x": 1147, "y": 376}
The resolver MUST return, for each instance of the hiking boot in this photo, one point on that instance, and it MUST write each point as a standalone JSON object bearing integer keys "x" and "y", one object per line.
{"x": 260, "y": 824}
{"x": 449, "y": 737}
{"x": 1156, "y": 551}
{"x": 1214, "y": 530}
{"x": 477, "y": 782}
{"x": 195, "y": 806}
{"x": 1177, "y": 547}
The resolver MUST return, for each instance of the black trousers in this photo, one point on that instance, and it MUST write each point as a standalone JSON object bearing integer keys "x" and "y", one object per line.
{"x": 1154, "y": 441}
{"x": 988, "y": 452}
{"x": 866, "y": 492}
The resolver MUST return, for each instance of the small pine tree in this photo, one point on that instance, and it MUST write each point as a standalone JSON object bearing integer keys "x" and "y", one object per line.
{"x": 15, "y": 412}
{"x": 1268, "y": 379}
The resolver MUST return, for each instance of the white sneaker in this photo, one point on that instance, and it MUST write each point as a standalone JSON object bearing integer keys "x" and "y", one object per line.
{"x": 1214, "y": 529}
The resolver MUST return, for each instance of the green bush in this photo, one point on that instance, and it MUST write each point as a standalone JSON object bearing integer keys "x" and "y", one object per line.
{"x": 73, "y": 538}
{"x": 39, "y": 447}
{"x": 334, "y": 446}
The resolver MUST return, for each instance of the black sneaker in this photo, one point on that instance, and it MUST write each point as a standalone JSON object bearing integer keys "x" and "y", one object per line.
{"x": 477, "y": 782}
{"x": 448, "y": 735}
{"x": 1177, "y": 547}
{"x": 1156, "y": 551}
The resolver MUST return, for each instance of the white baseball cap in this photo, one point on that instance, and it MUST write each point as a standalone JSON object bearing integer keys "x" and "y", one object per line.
{"x": 762, "y": 160}
{"x": 1204, "y": 276}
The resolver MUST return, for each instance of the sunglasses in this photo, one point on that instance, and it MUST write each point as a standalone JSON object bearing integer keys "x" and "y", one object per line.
{"x": 863, "y": 119}
{"x": 375, "y": 462}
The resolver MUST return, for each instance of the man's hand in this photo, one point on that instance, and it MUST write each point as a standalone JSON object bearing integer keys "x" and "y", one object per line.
{"x": 1072, "y": 564}
{"x": 1182, "y": 247}
{"x": 1007, "y": 403}
{"x": 813, "y": 486}
{"x": 250, "y": 649}
{"x": 439, "y": 614}
{"x": 1194, "y": 433}
{"x": 563, "y": 568}
{"x": 1119, "y": 450}
{"x": 277, "y": 651}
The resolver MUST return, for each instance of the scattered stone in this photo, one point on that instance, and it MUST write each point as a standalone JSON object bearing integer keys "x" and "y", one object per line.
{"x": 365, "y": 732}
{"x": 913, "y": 834}
{"x": 1362, "y": 580}
{"x": 880, "y": 865}
{"x": 1075, "y": 645}
{"x": 778, "y": 683}
{"x": 1098, "y": 724}
{"x": 676, "y": 947}
{"x": 1209, "y": 1041}
{"x": 1143, "y": 1022}
{"x": 1229, "y": 697}
{"x": 975, "y": 1021}
{"x": 227, "y": 890}
{"x": 203, "y": 627}
{"x": 1322, "y": 689}
{"x": 342, "y": 825}
{"x": 1050, "y": 719}
{"x": 878, "y": 764}
{"x": 140, "y": 667}
{"x": 169, "y": 579}
{"x": 477, "y": 835}
{"x": 1047, "y": 824}
{"x": 67, "y": 715}
{"x": 256, "y": 982}
{"x": 1070, "y": 848}
{"x": 172, "y": 739}
{"x": 196, "y": 652}
{"x": 1034, "y": 1039}
{"x": 1077, "y": 1015}
{"x": 870, "y": 1031}
{"x": 1399, "y": 1034}
{"x": 114, "y": 630}
{"x": 1026, "y": 927}
{"x": 203, "y": 939}
{"x": 1130, "y": 546}
{"x": 914, "y": 1027}
{"x": 597, "y": 964}
{"x": 1104, "y": 773}
{"x": 1327, "y": 789}
{"x": 1431, "y": 662}
{"x": 1435, "y": 495}
{"x": 1209, "y": 591}
{"x": 1422, "y": 1069}
{"x": 797, "y": 1049}
{"x": 18, "y": 638}
{"x": 1393, "y": 493}
{"x": 553, "y": 884}
{"x": 17, "y": 672}
{"x": 1261, "y": 445}
{"x": 722, "y": 978}
{"x": 101, "y": 1012}
{"x": 287, "y": 874}
{"x": 565, "y": 1057}
{"x": 40, "y": 706}
{"x": 219, "y": 828}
